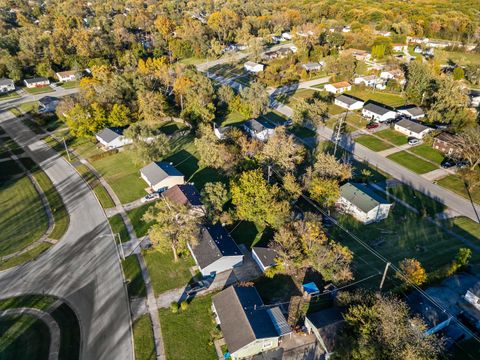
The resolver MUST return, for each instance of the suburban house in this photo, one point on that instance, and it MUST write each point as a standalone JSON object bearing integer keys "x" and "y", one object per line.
{"x": 396, "y": 74}
{"x": 264, "y": 257}
{"x": 64, "y": 76}
{"x": 445, "y": 142}
{"x": 338, "y": 88}
{"x": 248, "y": 327}
{"x": 216, "y": 251}
{"x": 221, "y": 131}
{"x": 287, "y": 36}
{"x": 360, "y": 55}
{"x": 411, "y": 111}
{"x": 370, "y": 80}
{"x": 412, "y": 128}
{"x": 161, "y": 176}
{"x": 418, "y": 49}
{"x": 399, "y": 47}
{"x": 326, "y": 326}
{"x": 6, "y": 85}
{"x": 348, "y": 102}
{"x": 259, "y": 129}
{"x": 253, "y": 66}
{"x": 313, "y": 66}
{"x": 36, "y": 82}
{"x": 185, "y": 194}
{"x": 378, "y": 112}
{"x": 112, "y": 138}
{"x": 47, "y": 104}
{"x": 473, "y": 95}
{"x": 363, "y": 203}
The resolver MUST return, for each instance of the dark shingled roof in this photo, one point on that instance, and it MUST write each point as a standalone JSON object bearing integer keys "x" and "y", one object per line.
{"x": 258, "y": 125}
{"x": 329, "y": 322}
{"x": 215, "y": 242}
{"x": 412, "y": 126}
{"x": 243, "y": 319}
{"x": 109, "y": 134}
{"x": 5, "y": 81}
{"x": 185, "y": 194}
{"x": 158, "y": 171}
{"x": 377, "y": 108}
{"x": 35, "y": 80}
{"x": 361, "y": 196}
{"x": 413, "y": 110}
{"x": 265, "y": 255}
{"x": 46, "y": 100}
{"x": 348, "y": 99}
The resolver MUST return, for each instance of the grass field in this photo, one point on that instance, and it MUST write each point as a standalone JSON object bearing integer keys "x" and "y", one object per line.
{"x": 166, "y": 274}
{"x": 133, "y": 275}
{"x": 29, "y": 255}
{"x": 135, "y": 216}
{"x": 100, "y": 192}
{"x": 412, "y": 162}
{"x": 197, "y": 342}
{"x": 118, "y": 227}
{"x": 70, "y": 84}
{"x": 421, "y": 202}
{"x": 459, "y": 58}
{"x": 393, "y": 136}
{"x": 143, "y": 338}
{"x": 10, "y": 95}
{"x": 428, "y": 153}
{"x": 372, "y": 143}
{"x": 465, "y": 227}
{"x": 335, "y": 109}
{"x": 38, "y": 90}
{"x": 386, "y": 98}
{"x": 456, "y": 184}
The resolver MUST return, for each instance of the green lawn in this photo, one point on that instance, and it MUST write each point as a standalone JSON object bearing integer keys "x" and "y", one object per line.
{"x": 386, "y": 98}
{"x": 275, "y": 117}
{"x": 70, "y": 84}
{"x": 118, "y": 227}
{"x": 290, "y": 98}
{"x": 465, "y": 227}
{"x": 29, "y": 301}
{"x": 429, "y": 153}
{"x": 456, "y": 184}
{"x": 83, "y": 147}
{"x": 412, "y": 162}
{"x": 29, "y": 255}
{"x": 335, "y": 109}
{"x": 458, "y": 57}
{"x": 393, "y": 136}
{"x": 421, "y": 202}
{"x": 189, "y": 334}
{"x": 133, "y": 275}
{"x": 372, "y": 143}
{"x": 143, "y": 338}
{"x": 302, "y": 132}
{"x": 233, "y": 118}
{"x": 166, "y": 274}
{"x": 38, "y": 90}
{"x": 23, "y": 219}
{"x": 135, "y": 215}
{"x": 103, "y": 196}
{"x": 10, "y": 95}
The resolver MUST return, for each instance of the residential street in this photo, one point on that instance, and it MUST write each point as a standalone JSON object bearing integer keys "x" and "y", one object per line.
{"x": 26, "y": 97}
{"x": 83, "y": 268}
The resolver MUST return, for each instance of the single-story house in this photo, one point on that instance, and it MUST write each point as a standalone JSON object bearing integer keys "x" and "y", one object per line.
{"x": 112, "y": 138}
{"x": 6, "y": 85}
{"x": 248, "y": 327}
{"x": 445, "y": 142}
{"x": 185, "y": 194}
{"x": 216, "y": 251}
{"x": 326, "y": 326}
{"x": 253, "y": 66}
{"x": 313, "y": 66}
{"x": 264, "y": 257}
{"x": 441, "y": 44}
{"x": 363, "y": 203}
{"x": 378, "y": 112}
{"x": 391, "y": 74}
{"x": 384, "y": 33}
{"x": 412, "y": 128}
{"x": 360, "y": 55}
{"x": 48, "y": 104}
{"x": 63, "y": 76}
{"x": 411, "y": 111}
{"x": 418, "y": 49}
{"x": 221, "y": 131}
{"x": 36, "y": 82}
{"x": 370, "y": 80}
{"x": 287, "y": 36}
{"x": 346, "y": 29}
{"x": 338, "y": 88}
{"x": 259, "y": 129}
{"x": 474, "y": 97}
{"x": 348, "y": 102}
{"x": 161, "y": 175}
{"x": 400, "y": 47}
{"x": 416, "y": 40}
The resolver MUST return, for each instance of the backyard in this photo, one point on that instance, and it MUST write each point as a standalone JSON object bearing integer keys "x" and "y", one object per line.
{"x": 390, "y": 99}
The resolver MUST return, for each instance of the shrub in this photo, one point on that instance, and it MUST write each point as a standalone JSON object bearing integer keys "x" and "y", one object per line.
{"x": 174, "y": 307}
{"x": 184, "y": 305}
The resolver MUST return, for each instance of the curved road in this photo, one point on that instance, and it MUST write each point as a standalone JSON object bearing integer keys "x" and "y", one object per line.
{"x": 83, "y": 268}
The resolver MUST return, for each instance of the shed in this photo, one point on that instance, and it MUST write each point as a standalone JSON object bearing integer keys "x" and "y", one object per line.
{"x": 264, "y": 257}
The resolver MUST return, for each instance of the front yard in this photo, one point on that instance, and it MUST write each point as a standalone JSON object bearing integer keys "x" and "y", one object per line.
{"x": 412, "y": 162}
{"x": 456, "y": 184}
{"x": 392, "y": 136}
{"x": 429, "y": 153}
{"x": 372, "y": 143}
{"x": 465, "y": 227}
{"x": 423, "y": 203}
{"x": 133, "y": 276}
{"x": 38, "y": 90}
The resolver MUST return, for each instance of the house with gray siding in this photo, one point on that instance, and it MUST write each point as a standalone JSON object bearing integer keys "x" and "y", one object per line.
{"x": 6, "y": 85}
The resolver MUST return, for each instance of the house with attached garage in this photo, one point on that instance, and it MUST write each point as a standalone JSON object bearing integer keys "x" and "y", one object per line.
{"x": 259, "y": 129}
{"x": 314, "y": 66}
{"x": 64, "y": 76}
{"x": 348, "y": 102}
{"x": 411, "y": 111}
{"x": 363, "y": 203}
{"x": 264, "y": 257}
{"x": 185, "y": 194}
{"x": 216, "y": 251}
{"x": 248, "y": 326}
{"x": 370, "y": 80}
{"x": 412, "y": 128}
{"x": 338, "y": 88}
{"x": 254, "y": 67}
{"x": 47, "y": 104}
{"x": 161, "y": 176}
{"x": 112, "y": 138}
{"x": 326, "y": 326}
{"x": 36, "y": 82}
{"x": 6, "y": 85}
{"x": 378, "y": 112}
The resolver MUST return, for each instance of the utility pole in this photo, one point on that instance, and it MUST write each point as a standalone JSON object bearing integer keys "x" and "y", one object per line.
{"x": 384, "y": 274}
{"x": 337, "y": 136}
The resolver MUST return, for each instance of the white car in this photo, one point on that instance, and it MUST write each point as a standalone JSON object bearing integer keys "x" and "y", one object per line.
{"x": 414, "y": 141}
{"x": 150, "y": 197}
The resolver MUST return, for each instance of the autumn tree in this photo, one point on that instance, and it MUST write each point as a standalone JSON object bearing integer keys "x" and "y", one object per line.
{"x": 120, "y": 115}
{"x": 419, "y": 80}
{"x": 412, "y": 271}
{"x": 213, "y": 152}
{"x": 282, "y": 151}
{"x": 151, "y": 107}
{"x": 214, "y": 197}
{"x": 467, "y": 147}
{"x": 325, "y": 191}
{"x": 174, "y": 226}
{"x": 256, "y": 97}
{"x": 314, "y": 112}
{"x": 223, "y": 23}
{"x": 148, "y": 145}
{"x": 327, "y": 166}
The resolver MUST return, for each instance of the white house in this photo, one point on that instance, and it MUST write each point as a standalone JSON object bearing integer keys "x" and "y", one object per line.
{"x": 418, "y": 49}
{"x": 221, "y": 131}
{"x": 64, "y": 76}
{"x": 36, "y": 82}
{"x": 412, "y": 128}
{"x": 6, "y": 85}
{"x": 326, "y": 325}
{"x": 348, "y": 102}
{"x": 215, "y": 251}
{"x": 400, "y": 47}
{"x": 313, "y": 66}
{"x": 259, "y": 129}
{"x": 378, "y": 112}
{"x": 338, "y": 88}
{"x": 363, "y": 203}
{"x": 391, "y": 74}
{"x": 264, "y": 257}
{"x": 112, "y": 138}
{"x": 253, "y": 67}
{"x": 47, "y": 104}
{"x": 346, "y": 29}
{"x": 287, "y": 36}
{"x": 161, "y": 176}
{"x": 411, "y": 111}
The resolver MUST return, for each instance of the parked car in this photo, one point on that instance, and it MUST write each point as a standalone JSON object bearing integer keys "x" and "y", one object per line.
{"x": 414, "y": 141}
{"x": 196, "y": 287}
{"x": 372, "y": 126}
{"x": 462, "y": 164}
{"x": 447, "y": 163}
{"x": 150, "y": 197}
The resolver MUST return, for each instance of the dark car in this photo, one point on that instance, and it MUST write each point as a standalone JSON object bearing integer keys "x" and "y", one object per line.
{"x": 372, "y": 126}
{"x": 447, "y": 163}
{"x": 462, "y": 164}
{"x": 196, "y": 287}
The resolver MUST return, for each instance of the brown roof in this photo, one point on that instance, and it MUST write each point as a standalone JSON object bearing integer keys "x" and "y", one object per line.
{"x": 446, "y": 137}
{"x": 185, "y": 194}
{"x": 341, "y": 84}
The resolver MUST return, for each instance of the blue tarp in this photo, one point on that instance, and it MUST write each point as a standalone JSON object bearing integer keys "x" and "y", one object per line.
{"x": 311, "y": 288}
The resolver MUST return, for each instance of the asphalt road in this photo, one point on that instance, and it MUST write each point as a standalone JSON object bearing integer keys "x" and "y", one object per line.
{"x": 83, "y": 268}
{"x": 26, "y": 97}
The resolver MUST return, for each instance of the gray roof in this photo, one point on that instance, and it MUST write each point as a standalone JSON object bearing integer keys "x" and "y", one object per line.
{"x": 412, "y": 126}
{"x": 5, "y": 81}
{"x": 361, "y": 196}
{"x": 46, "y": 100}
{"x": 377, "y": 108}
{"x": 109, "y": 134}
{"x": 258, "y": 125}
{"x": 413, "y": 110}
{"x": 243, "y": 317}
{"x": 265, "y": 255}
{"x": 215, "y": 242}
{"x": 158, "y": 171}
{"x": 35, "y": 80}
{"x": 312, "y": 65}
{"x": 328, "y": 322}
{"x": 348, "y": 99}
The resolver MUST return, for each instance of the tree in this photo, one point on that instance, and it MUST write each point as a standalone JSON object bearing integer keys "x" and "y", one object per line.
{"x": 303, "y": 244}
{"x": 380, "y": 327}
{"x": 461, "y": 260}
{"x": 224, "y": 23}
{"x": 225, "y": 94}
{"x": 151, "y": 106}
{"x": 212, "y": 152}
{"x": 255, "y": 200}
{"x": 313, "y": 112}
{"x": 325, "y": 191}
{"x": 458, "y": 73}
{"x": 468, "y": 147}
{"x": 328, "y": 166}
{"x": 147, "y": 145}
{"x": 419, "y": 80}
{"x": 119, "y": 115}
{"x": 214, "y": 197}
{"x": 174, "y": 227}
{"x": 282, "y": 151}
{"x": 413, "y": 271}
{"x": 291, "y": 186}
{"x": 256, "y": 97}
